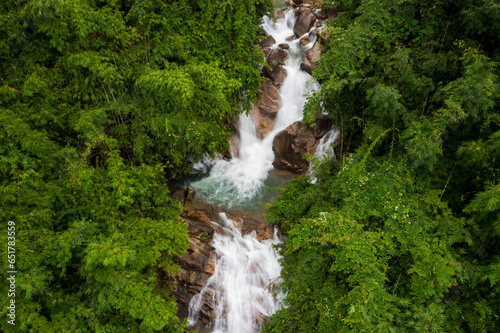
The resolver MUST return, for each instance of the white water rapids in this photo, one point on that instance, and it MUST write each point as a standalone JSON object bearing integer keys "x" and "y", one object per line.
{"x": 235, "y": 182}
{"x": 245, "y": 268}
{"x": 239, "y": 289}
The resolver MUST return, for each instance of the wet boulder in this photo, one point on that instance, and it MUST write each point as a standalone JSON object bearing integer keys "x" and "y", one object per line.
{"x": 305, "y": 22}
{"x": 248, "y": 225}
{"x": 277, "y": 57}
{"x": 334, "y": 12}
{"x": 320, "y": 15}
{"x": 275, "y": 71}
{"x": 277, "y": 75}
{"x": 315, "y": 33}
{"x": 290, "y": 145}
{"x": 269, "y": 99}
{"x": 279, "y": 13}
{"x": 310, "y": 59}
{"x": 304, "y": 40}
{"x": 268, "y": 41}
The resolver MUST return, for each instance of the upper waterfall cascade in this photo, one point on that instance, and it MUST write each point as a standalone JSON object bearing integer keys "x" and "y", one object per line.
{"x": 234, "y": 182}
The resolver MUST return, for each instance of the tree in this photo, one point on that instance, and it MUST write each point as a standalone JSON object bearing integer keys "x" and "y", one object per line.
{"x": 413, "y": 87}
{"x": 101, "y": 103}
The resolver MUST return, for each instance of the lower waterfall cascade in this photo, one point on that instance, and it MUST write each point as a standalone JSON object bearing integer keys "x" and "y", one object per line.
{"x": 244, "y": 289}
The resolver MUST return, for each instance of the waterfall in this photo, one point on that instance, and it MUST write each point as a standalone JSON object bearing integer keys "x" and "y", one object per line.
{"x": 235, "y": 182}
{"x": 238, "y": 291}
{"x": 324, "y": 147}
{"x": 244, "y": 273}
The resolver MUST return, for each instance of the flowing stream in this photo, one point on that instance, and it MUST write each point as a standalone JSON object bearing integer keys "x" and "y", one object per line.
{"x": 238, "y": 182}
{"x": 246, "y": 269}
{"x": 239, "y": 289}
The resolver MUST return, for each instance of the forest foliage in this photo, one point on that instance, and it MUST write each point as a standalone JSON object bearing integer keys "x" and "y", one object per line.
{"x": 101, "y": 101}
{"x": 402, "y": 233}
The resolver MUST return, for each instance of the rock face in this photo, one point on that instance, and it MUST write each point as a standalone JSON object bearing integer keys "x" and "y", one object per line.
{"x": 311, "y": 57}
{"x": 197, "y": 264}
{"x": 305, "y": 22}
{"x": 292, "y": 143}
{"x": 269, "y": 99}
{"x": 264, "y": 114}
{"x": 275, "y": 72}
{"x": 185, "y": 195}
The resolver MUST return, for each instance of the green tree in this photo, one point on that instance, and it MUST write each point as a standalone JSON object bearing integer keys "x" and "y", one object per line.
{"x": 101, "y": 102}
{"x": 413, "y": 87}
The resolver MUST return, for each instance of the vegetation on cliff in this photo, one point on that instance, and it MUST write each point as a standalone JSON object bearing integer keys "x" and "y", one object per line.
{"x": 100, "y": 102}
{"x": 402, "y": 233}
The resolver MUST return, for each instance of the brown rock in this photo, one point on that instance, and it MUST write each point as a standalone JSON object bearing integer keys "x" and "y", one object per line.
{"x": 277, "y": 55}
{"x": 190, "y": 193}
{"x": 298, "y": 2}
{"x": 304, "y": 40}
{"x": 321, "y": 125}
{"x": 265, "y": 50}
{"x": 265, "y": 113}
{"x": 247, "y": 225}
{"x": 179, "y": 195}
{"x": 276, "y": 75}
{"x": 290, "y": 145}
{"x": 319, "y": 24}
{"x": 290, "y": 38}
{"x": 262, "y": 32}
{"x": 315, "y": 32}
{"x": 284, "y": 46}
{"x": 197, "y": 264}
{"x": 275, "y": 71}
{"x": 269, "y": 99}
{"x": 305, "y": 21}
{"x": 234, "y": 147}
{"x": 320, "y": 15}
{"x": 268, "y": 42}
{"x": 264, "y": 123}
{"x": 310, "y": 59}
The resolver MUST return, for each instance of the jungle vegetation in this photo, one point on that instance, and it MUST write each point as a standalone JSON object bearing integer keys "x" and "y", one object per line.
{"x": 101, "y": 102}
{"x": 402, "y": 233}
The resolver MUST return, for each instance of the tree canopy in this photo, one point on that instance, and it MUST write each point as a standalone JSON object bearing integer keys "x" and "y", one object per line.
{"x": 101, "y": 101}
{"x": 402, "y": 233}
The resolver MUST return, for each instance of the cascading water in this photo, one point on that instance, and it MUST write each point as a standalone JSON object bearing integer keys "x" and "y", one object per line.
{"x": 325, "y": 144}
{"x": 238, "y": 181}
{"x": 245, "y": 268}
